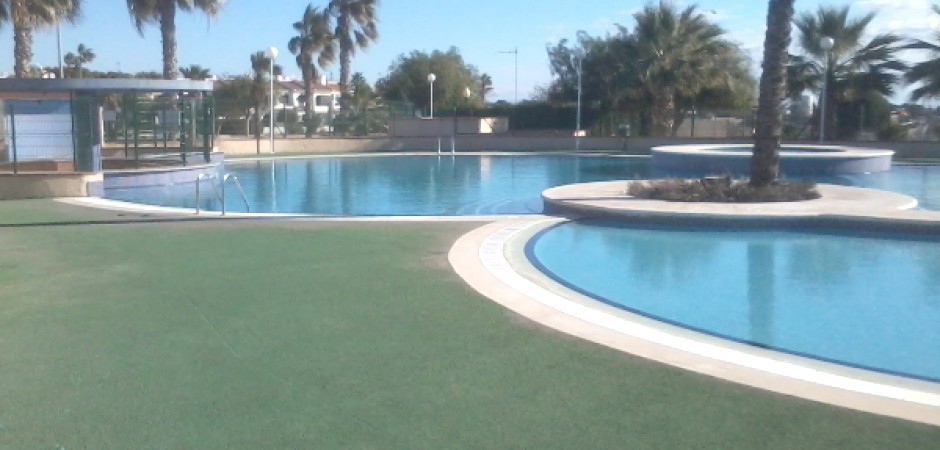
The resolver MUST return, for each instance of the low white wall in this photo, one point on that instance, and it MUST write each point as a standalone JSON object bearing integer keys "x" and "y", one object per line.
{"x": 49, "y": 185}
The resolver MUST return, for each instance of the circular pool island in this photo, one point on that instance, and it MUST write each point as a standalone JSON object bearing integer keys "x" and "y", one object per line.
{"x": 795, "y": 160}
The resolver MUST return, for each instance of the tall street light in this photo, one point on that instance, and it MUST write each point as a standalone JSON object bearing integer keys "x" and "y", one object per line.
{"x": 431, "y": 78}
{"x": 826, "y": 44}
{"x": 271, "y": 54}
{"x": 580, "y": 57}
{"x": 515, "y": 54}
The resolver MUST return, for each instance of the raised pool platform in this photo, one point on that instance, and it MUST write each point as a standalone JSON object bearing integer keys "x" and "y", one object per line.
{"x": 795, "y": 160}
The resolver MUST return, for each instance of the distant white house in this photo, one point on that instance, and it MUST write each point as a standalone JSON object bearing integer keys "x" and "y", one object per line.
{"x": 290, "y": 93}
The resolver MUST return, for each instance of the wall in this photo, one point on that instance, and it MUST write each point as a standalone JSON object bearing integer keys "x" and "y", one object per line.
{"x": 48, "y": 185}
{"x": 446, "y": 126}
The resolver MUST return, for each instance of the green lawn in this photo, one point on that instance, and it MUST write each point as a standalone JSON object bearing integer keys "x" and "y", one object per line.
{"x": 303, "y": 334}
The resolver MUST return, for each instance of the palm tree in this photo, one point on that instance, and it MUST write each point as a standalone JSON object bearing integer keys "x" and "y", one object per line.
{"x": 486, "y": 86}
{"x": 76, "y": 61}
{"x": 164, "y": 13}
{"x": 355, "y": 28}
{"x": 772, "y": 93}
{"x": 313, "y": 37}
{"x": 27, "y": 15}
{"x": 852, "y": 69}
{"x": 196, "y": 72}
{"x": 677, "y": 54}
{"x": 925, "y": 73}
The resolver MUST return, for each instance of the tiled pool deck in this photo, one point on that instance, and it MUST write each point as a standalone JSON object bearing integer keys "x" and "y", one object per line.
{"x": 492, "y": 260}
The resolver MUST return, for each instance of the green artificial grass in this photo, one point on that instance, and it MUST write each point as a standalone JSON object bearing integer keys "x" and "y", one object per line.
{"x": 302, "y": 334}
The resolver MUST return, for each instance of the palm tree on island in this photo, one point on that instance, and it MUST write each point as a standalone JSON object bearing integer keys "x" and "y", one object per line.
{"x": 314, "y": 37}
{"x": 355, "y": 28}
{"x": 164, "y": 13}
{"x": 773, "y": 82}
{"x": 28, "y": 15}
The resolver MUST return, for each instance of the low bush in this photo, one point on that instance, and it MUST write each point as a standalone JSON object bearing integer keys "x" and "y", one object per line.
{"x": 721, "y": 190}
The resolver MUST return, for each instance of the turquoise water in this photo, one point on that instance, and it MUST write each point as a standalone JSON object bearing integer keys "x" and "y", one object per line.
{"x": 870, "y": 301}
{"x": 432, "y": 185}
{"x": 398, "y": 185}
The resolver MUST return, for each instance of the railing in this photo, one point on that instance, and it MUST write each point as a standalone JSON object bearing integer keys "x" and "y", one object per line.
{"x": 219, "y": 193}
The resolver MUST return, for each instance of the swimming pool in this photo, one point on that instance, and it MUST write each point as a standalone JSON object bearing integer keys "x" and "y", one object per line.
{"x": 858, "y": 299}
{"x": 446, "y": 185}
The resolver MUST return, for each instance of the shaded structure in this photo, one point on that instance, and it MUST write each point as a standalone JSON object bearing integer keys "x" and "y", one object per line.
{"x": 59, "y": 137}
{"x": 86, "y": 125}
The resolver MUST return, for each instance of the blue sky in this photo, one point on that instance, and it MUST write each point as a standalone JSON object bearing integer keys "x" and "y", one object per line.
{"x": 479, "y": 28}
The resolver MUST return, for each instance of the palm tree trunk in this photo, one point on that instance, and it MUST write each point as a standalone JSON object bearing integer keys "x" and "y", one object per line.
{"x": 22, "y": 39}
{"x": 168, "y": 33}
{"x": 345, "y": 54}
{"x": 308, "y": 96}
{"x": 764, "y": 161}
{"x": 661, "y": 114}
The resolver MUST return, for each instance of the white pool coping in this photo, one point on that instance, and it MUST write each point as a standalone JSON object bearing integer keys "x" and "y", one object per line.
{"x": 491, "y": 259}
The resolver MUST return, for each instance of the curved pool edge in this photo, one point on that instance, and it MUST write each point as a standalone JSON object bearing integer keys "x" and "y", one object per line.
{"x": 838, "y": 206}
{"x": 491, "y": 259}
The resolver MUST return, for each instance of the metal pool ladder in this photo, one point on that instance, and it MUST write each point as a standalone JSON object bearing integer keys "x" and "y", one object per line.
{"x": 220, "y": 193}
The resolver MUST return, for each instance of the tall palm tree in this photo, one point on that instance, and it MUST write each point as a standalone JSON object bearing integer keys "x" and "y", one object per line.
{"x": 486, "y": 86}
{"x": 678, "y": 53}
{"x": 355, "y": 28}
{"x": 314, "y": 37}
{"x": 196, "y": 72}
{"x": 164, "y": 13}
{"x": 77, "y": 61}
{"x": 28, "y": 15}
{"x": 772, "y": 93}
{"x": 852, "y": 69}
{"x": 926, "y": 74}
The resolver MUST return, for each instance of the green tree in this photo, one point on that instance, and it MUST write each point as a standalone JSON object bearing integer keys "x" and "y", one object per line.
{"x": 163, "y": 12}
{"x": 773, "y": 82}
{"x": 314, "y": 37}
{"x": 678, "y": 54}
{"x": 925, "y": 74}
{"x": 76, "y": 61}
{"x": 359, "y": 115}
{"x": 355, "y": 28}
{"x": 853, "y": 70}
{"x": 28, "y": 15}
{"x": 408, "y": 80}
{"x": 670, "y": 63}
{"x": 196, "y": 72}
{"x": 234, "y": 103}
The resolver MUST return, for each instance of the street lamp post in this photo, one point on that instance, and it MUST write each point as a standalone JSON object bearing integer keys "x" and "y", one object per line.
{"x": 515, "y": 54}
{"x": 271, "y": 54}
{"x": 431, "y": 78}
{"x": 826, "y": 44}
{"x": 577, "y": 131}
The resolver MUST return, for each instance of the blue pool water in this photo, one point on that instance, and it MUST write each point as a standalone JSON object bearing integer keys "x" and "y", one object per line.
{"x": 398, "y": 185}
{"x": 431, "y": 185}
{"x": 863, "y": 300}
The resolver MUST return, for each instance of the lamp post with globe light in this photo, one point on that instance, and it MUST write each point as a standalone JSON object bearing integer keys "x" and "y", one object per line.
{"x": 271, "y": 54}
{"x": 431, "y": 78}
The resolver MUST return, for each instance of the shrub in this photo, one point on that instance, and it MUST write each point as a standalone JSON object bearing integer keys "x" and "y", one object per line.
{"x": 721, "y": 190}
